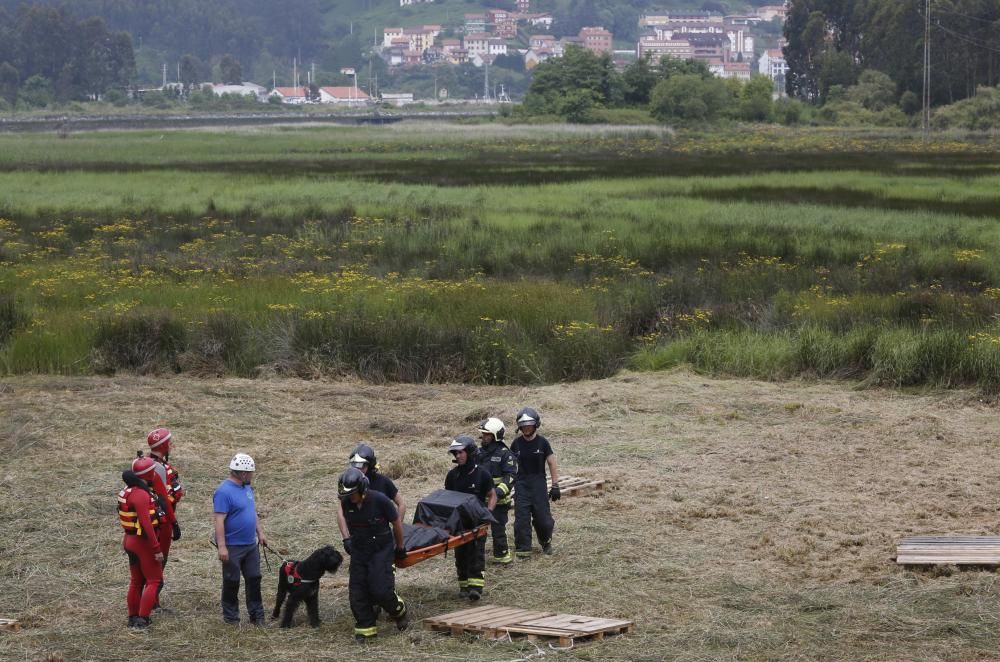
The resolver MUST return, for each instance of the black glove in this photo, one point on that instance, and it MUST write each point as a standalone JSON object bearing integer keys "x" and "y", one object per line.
{"x": 177, "y": 532}
{"x": 400, "y": 553}
{"x": 554, "y": 493}
{"x": 348, "y": 547}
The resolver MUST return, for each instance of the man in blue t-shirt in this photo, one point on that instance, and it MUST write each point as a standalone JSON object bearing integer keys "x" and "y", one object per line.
{"x": 237, "y": 533}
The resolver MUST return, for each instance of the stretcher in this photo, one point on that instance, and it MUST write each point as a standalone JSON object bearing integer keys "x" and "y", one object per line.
{"x": 415, "y": 556}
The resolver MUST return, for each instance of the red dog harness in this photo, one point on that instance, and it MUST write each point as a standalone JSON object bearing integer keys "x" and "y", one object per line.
{"x": 290, "y": 571}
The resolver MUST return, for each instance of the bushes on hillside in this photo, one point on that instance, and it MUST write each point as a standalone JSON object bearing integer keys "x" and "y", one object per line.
{"x": 141, "y": 341}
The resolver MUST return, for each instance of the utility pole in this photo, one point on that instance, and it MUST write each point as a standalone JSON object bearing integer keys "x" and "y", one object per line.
{"x": 486, "y": 82}
{"x": 164, "y": 86}
{"x": 927, "y": 69}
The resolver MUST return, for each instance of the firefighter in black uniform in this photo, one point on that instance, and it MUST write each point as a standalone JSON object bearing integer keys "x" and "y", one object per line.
{"x": 373, "y": 537}
{"x": 363, "y": 458}
{"x": 470, "y": 478}
{"x": 496, "y": 458}
{"x": 531, "y": 502}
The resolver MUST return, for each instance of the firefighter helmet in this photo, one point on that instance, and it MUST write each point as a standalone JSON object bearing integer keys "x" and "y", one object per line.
{"x": 242, "y": 462}
{"x": 144, "y": 467}
{"x": 363, "y": 453}
{"x": 493, "y": 426}
{"x": 463, "y": 443}
{"x": 159, "y": 437}
{"x": 528, "y": 416}
{"x": 351, "y": 481}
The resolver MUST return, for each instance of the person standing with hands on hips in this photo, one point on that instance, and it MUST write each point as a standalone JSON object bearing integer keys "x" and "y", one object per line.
{"x": 531, "y": 501}
{"x": 237, "y": 533}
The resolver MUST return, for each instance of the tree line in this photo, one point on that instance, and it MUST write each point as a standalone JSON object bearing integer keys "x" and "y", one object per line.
{"x": 47, "y": 54}
{"x": 581, "y": 87}
{"x": 830, "y": 43}
{"x": 244, "y": 28}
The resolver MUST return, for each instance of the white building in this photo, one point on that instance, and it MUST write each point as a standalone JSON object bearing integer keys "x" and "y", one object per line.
{"x": 293, "y": 95}
{"x": 243, "y": 89}
{"x": 772, "y": 64}
{"x": 343, "y": 96}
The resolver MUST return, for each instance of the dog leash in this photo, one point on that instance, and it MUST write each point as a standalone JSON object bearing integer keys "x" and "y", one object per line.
{"x": 267, "y": 562}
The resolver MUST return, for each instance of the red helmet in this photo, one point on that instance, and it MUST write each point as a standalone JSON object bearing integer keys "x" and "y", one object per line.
{"x": 144, "y": 467}
{"x": 148, "y": 469}
{"x": 159, "y": 437}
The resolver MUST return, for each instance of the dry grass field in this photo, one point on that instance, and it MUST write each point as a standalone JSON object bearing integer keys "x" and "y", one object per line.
{"x": 748, "y": 520}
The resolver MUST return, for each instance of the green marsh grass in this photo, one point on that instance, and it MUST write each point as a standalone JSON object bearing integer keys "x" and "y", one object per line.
{"x": 500, "y": 255}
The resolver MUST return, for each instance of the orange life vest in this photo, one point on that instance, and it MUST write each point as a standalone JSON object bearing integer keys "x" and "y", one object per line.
{"x": 129, "y": 517}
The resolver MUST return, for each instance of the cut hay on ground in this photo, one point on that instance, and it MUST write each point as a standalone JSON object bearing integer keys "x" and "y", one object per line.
{"x": 745, "y": 519}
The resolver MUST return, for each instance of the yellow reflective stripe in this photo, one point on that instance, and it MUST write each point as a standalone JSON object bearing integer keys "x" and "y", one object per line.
{"x": 366, "y": 632}
{"x": 463, "y": 583}
{"x": 479, "y": 583}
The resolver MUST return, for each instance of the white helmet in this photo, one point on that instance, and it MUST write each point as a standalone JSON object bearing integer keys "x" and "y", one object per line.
{"x": 493, "y": 426}
{"x": 242, "y": 462}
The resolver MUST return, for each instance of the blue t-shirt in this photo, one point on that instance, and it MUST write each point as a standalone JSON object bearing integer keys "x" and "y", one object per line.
{"x": 236, "y": 502}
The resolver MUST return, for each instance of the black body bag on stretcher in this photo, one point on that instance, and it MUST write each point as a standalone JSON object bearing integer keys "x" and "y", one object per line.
{"x": 455, "y": 512}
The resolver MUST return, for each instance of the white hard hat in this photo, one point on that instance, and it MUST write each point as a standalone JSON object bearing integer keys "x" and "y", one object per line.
{"x": 242, "y": 462}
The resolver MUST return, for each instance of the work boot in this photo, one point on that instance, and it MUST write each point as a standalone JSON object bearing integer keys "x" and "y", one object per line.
{"x": 463, "y": 592}
{"x": 160, "y": 609}
{"x": 361, "y": 639}
{"x": 131, "y": 620}
{"x": 475, "y": 595}
{"x": 547, "y": 548}
{"x": 403, "y": 622}
{"x": 140, "y": 623}
{"x": 505, "y": 559}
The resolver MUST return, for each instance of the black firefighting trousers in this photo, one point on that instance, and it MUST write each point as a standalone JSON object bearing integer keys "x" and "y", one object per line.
{"x": 531, "y": 509}
{"x": 373, "y": 582}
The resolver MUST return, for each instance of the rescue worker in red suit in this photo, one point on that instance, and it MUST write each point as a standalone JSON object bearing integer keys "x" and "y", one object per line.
{"x": 140, "y": 514}
{"x": 169, "y": 489}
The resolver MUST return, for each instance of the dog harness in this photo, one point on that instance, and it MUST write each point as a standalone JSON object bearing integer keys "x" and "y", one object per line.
{"x": 290, "y": 571}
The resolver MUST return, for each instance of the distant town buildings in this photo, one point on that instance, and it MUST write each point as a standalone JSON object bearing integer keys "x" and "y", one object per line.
{"x": 725, "y": 43}
{"x": 596, "y": 40}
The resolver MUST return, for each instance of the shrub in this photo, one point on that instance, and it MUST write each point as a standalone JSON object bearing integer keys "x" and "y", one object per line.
{"x": 404, "y": 349}
{"x": 12, "y": 317}
{"x": 220, "y": 345}
{"x": 144, "y": 341}
{"x": 585, "y": 351}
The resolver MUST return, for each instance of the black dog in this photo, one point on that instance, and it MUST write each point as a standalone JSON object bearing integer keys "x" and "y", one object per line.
{"x": 300, "y": 581}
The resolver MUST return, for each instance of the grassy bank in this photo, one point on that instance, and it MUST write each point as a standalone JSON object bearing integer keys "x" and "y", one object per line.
{"x": 500, "y": 255}
{"x": 744, "y": 520}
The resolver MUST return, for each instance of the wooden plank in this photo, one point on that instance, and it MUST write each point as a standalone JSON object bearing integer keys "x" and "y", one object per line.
{"x": 10, "y": 625}
{"x": 948, "y": 550}
{"x": 417, "y": 555}
{"x": 498, "y": 622}
{"x": 574, "y": 485}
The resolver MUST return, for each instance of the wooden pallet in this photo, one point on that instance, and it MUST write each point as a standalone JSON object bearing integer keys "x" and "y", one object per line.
{"x": 502, "y": 622}
{"x": 570, "y": 485}
{"x": 948, "y": 550}
{"x": 10, "y": 625}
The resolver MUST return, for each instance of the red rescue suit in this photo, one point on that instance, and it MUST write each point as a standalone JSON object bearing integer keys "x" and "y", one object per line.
{"x": 140, "y": 516}
{"x": 170, "y": 491}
